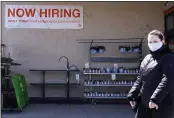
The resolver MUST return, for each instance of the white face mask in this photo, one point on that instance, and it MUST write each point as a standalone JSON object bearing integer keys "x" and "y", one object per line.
{"x": 154, "y": 43}
{"x": 155, "y": 46}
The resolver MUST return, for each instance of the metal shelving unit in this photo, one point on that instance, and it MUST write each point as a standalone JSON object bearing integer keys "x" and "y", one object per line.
{"x": 106, "y": 97}
{"x": 102, "y": 59}
{"x": 124, "y": 85}
{"x": 7, "y": 94}
{"x": 43, "y": 84}
{"x": 54, "y": 84}
{"x": 111, "y": 74}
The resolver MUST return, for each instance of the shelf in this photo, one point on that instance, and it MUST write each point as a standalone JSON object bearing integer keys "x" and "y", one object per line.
{"x": 6, "y": 78}
{"x": 7, "y": 92}
{"x": 107, "y": 42}
{"x": 110, "y": 73}
{"x": 114, "y": 59}
{"x": 54, "y": 83}
{"x": 11, "y": 109}
{"x": 50, "y": 70}
{"x": 10, "y": 64}
{"x": 119, "y": 40}
{"x": 106, "y": 97}
{"x": 108, "y": 85}
{"x": 130, "y": 52}
{"x": 3, "y": 45}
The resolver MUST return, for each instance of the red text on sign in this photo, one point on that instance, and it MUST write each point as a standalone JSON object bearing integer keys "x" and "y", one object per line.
{"x": 54, "y": 13}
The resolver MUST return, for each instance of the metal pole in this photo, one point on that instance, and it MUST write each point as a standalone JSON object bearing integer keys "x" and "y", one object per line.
{"x": 43, "y": 84}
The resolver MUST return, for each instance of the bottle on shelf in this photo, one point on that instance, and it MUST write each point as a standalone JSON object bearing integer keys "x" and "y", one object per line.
{"x": 85, "y": 82}
{"x": 137, "y": 71}
{"x": 110, "y": 83}
{"x": 99, "y": 94}
{"x": 90, "y": 71}
{"x": 105, "y": 82}
{"x": 89, "y": 82}
{"x": 102, "y": 94}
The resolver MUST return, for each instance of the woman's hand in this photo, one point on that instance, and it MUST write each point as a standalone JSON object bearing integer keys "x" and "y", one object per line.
{"x": 133, "y": 103}
{"x": 153, "y": 105}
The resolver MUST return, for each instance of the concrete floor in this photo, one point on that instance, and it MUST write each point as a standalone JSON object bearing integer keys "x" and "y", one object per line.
{"x": 73, "y": 111}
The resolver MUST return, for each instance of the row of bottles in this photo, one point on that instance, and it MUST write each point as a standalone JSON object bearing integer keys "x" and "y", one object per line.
{"x": 108, "y": 82}
{"x": 111, "y": 70}
{"x": 129, "y": 49}
{"x": 105, "y": 94}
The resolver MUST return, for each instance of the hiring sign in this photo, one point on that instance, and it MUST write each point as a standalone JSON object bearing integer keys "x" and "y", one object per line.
{"x": 41, "y": 16}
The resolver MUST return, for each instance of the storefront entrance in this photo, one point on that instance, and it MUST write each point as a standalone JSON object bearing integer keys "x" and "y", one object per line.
{"x": 169, "y": 24}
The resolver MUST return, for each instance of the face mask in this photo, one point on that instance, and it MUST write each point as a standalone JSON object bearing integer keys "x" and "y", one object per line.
{"x": 155, "y": 46}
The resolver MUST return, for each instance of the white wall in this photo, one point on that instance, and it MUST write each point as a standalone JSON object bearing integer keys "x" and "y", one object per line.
{"x": 41, "y": 48}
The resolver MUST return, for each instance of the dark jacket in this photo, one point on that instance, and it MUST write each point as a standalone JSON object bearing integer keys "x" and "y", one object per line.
{"x": 156, "y": 79}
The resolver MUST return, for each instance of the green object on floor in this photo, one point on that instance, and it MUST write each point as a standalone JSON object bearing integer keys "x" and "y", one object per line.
{"x": 24, "y": 86}
{"x": 19, "y": 91}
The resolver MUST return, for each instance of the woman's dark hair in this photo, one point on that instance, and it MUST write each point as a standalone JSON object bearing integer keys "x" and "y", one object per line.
{"x": 157, "y": 33}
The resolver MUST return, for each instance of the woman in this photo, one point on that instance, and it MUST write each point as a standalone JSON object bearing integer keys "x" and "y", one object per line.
{"x": 152, "y": 93}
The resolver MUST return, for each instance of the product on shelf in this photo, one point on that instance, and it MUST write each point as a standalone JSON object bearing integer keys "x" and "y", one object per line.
{"x": 105, "y": 94}
{"x": 108, "y": 82}
{"x": 112, "y": 70}
{"x": 129, "y": 49}
{"x": 97, "y": 49}
{"x": 93, "y": 50}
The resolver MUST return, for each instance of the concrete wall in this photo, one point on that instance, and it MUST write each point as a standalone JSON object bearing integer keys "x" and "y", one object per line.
{"x": 41, "y": 48}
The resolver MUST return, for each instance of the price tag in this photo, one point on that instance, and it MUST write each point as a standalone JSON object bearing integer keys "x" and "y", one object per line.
{"x": 86, "y": 65}
{"x": 115, "y": 65}
{"x": 113, "y": 77}
{"x": 77, "y": 77}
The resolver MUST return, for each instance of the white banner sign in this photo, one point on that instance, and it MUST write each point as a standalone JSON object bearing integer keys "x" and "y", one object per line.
{"x": 41, "y": 16}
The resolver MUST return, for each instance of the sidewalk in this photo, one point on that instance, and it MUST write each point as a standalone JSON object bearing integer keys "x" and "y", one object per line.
{"x": 73, "y": 111}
